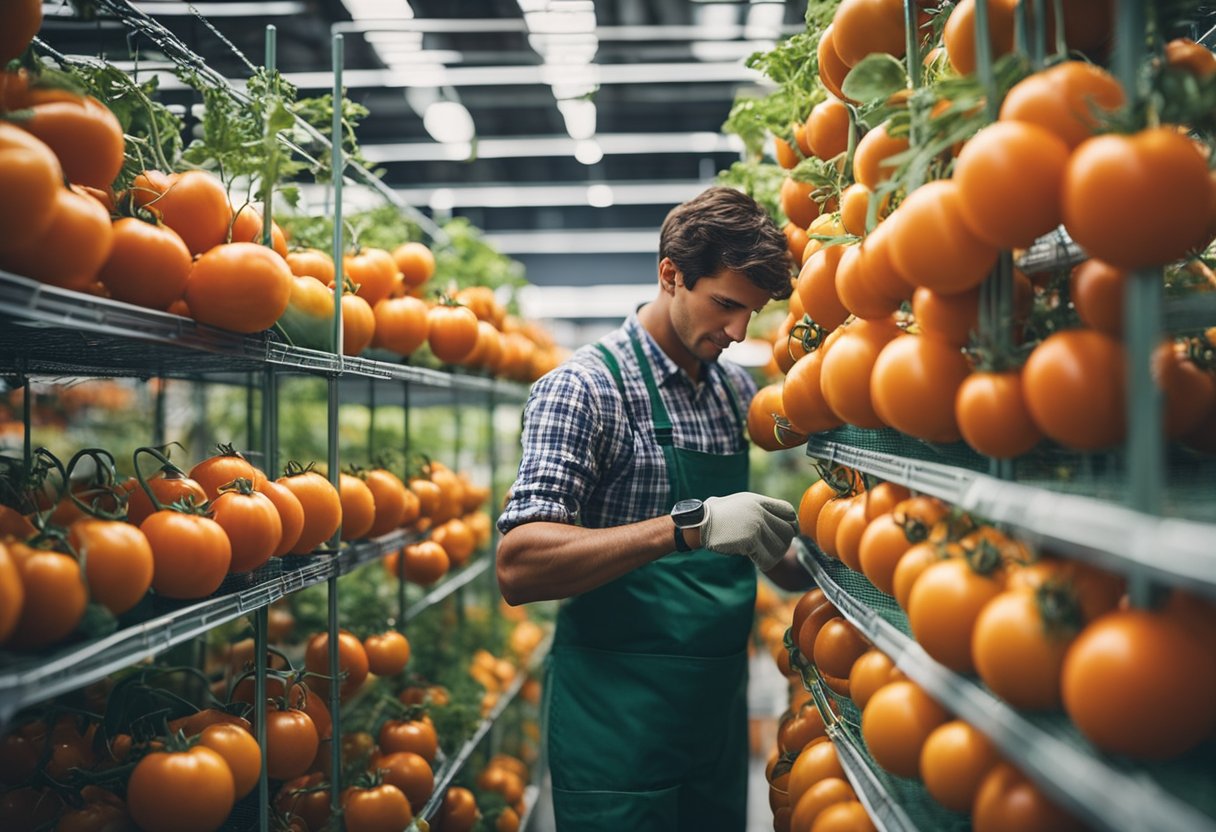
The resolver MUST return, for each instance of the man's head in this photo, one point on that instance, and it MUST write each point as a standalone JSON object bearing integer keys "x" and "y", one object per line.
{"x": 724, "y": 229}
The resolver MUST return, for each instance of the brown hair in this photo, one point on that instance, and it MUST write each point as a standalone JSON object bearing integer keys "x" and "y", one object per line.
{"x": 723, "y": 228}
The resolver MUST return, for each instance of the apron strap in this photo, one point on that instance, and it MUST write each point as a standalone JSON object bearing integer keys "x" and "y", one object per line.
{"x": 658, "y": 412}
{"x": 734, "y": 401}
{"x": 614, "y": 366}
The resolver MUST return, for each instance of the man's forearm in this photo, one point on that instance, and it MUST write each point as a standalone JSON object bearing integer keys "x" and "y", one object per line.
{"x": 547, "y": 561}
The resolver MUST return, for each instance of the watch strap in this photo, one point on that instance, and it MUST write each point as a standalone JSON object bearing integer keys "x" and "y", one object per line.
{"x": 681, "y": 544}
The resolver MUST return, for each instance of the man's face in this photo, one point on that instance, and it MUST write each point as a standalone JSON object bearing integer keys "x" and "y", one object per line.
{"x": 714, "y": 313}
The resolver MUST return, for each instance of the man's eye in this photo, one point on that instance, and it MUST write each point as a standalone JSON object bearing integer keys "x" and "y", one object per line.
{"x": 725, "y": 304}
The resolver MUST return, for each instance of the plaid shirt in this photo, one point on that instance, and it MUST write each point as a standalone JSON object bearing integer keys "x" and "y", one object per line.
{"x": 591, "y": 458}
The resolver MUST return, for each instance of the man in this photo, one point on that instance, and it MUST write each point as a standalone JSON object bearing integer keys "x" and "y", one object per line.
{"x": 646, "y": 694}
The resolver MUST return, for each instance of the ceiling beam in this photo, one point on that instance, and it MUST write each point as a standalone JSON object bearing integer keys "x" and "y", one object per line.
{"x": 541, "y": 146}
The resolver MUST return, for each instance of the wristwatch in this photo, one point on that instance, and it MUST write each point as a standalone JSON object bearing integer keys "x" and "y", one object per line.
{"x": 687, "y": 514}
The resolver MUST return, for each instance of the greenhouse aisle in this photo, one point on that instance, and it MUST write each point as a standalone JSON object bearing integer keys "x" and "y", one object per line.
{"x": 767, "y": 696}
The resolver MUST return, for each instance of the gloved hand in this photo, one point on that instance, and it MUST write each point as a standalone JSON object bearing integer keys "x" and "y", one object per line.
{"x": 752, "y": 525}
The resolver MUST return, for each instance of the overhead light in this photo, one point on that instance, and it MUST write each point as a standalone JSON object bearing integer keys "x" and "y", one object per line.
{"x": 395, "y": 37}
{"x": 764, "y": 19}
{"x": 527, "y": 6}
{"x": 524, "y": 147}
{"x": 379, "y": 9}
{"x": 579, "y": 115}
{"x": 588, "y": 151}
{"x": 717, "y": 20}
{"x": 599, "y": 196}
{"x": 448, "y": 122}
{"x": 727, "y": 50}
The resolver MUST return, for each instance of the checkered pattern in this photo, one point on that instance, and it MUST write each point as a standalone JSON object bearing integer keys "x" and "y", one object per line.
{"x": 591, "y": 458}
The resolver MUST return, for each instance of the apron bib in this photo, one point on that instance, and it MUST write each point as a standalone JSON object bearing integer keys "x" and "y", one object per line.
{"x": 646, "y": 700}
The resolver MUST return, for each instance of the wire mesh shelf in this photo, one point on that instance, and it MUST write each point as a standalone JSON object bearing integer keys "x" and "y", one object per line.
{"x": 1112, "y": 793}
{"x": 1069, "y": 503}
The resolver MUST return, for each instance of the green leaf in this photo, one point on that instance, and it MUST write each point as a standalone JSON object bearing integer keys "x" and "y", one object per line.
{"x": 878, "y": 76}
{"x": 98, "y": 621}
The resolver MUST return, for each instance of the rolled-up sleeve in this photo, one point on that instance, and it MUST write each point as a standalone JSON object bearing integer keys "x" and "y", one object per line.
{"x": 563, "y": 445}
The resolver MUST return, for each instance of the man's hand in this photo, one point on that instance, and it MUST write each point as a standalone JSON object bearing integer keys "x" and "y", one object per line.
{"x": 752, "y": 525}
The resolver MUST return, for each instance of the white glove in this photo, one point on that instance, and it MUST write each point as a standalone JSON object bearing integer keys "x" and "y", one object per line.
{"x": 752, "y": 525}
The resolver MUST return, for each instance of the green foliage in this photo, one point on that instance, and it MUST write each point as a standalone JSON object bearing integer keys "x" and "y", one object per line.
{"x": 469, "y": 260}
{"x": 760, "y": 180}
{"x": 319, "y": 112}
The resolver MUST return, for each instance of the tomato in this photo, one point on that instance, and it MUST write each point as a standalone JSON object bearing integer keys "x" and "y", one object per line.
{"x": 401, "y": 325}
{"x": 456, "y": 539}
{"x": 1096, "y": 591}
{"x": 240, "y": 751}
{"x": 300, "y": 696}
{"x": 959, "y": 34}
{"x": 1190, "y": 392}
{"x": 827, "y": 126}
{"x": 118, "y": 561}
{"x": 785, "y": 154}
{"x": 243, "y": 287}
{"x": 12, "y": 597}
{"x": 883, "y": 543}
{"x": 1019, "y": 653}
{"x": 848, "y": 534}
{"x": 837, "y": 646}
{"x": 896, "y": 721}
{"x": 1065, "y": 99}
{"x": 870, "y": 672}
{"x": 415, "y": 262}
{"x": 909, "y": 568}
{"x": 312, "y": 262}
{"x": 252, "y": 524}
{"x": 1185, "y": 54}
{"x": 428, "y": 494}
{"x": 866, "y": 26}
{"x": 22, "y": 20}
{"x": 291, "y": 743}
{"x": 1097, "y": 291}
{"x": 421, "y": 563}
{"x": 816, "y": 288}
{"x": 1009, "y": 177}
{"x": 814, "y": 764}
{"x": 223, "y": 468}
{"x": 914, "y": 384}
{"x": 84, "y": 134}
{"x": 855, "y": 207}
{"x": 845, "y": 376}
{"x": 102, "y": 815}
{"x": 806, "y": 604}
{"x": 358, "y": 507}
{"x": 305, "y": 798}
{"x": 802, "y": 729}
{"x": 1074, "y": 388}
{"x": 818, "y": 797}
{"x": 352, "y": 660}
{"x": 488, "y": 351}
{"x": 944, "y": 604}
{"x": 194, "y": 204}
{"x": 812, "y": 624}
{"x": 458, "y": 812}
{"x": 858, "y": 280}
{"x": 169, "y": 485}
{"x": 832, "y": 70}
{"x": 71, "y": 249}
{"x": 763, "y": 427}
{"x": 846, "y": 816}
{"x": 247, "y": 227}
{"x": 993, "y": 416}
{"x": 954, "y": 760}
{"x": 291, "y": 515}
{"x": 322, "y": 507}
{"x": 930, "y": 244}
{"x": 387, "y": 654}
{"x": 373, "y": 271}
{"x": 828, "y": 523}
{"x": 191, "y": 553}
{"x": 813, "y": 500}
{"x": 952, "y": 318}
{"x": 1008, "y": 802}
{"x": 452, "y": 332}
{"x": 148, "y": 264}
{"x": 417, "y": 736}
{"x": 54, "y": 596}
{"x": 410, "y": 773}
{"x": 31, "y": 179}
{"x": 796, "y": 201}
{"x": 1147, "y": 663}
{"x": 388, "y": 495}
{"x": 883, "y": 497}
{"x": 1157, "y": 167}
{"x": 358, "y": 324}
{"x": 870, "y": 165}
{"x": 187, "y": 791}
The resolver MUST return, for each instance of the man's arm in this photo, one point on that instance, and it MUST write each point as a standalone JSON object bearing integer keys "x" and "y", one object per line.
{"x": 543, "y": 561}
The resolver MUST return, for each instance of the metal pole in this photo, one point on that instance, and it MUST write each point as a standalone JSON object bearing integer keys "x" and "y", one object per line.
{"x": 371, "y": 422}
{"x": 158, "y": 412}
{"x": 915, "y": 75}
{"x": 267, "y": 187}
{"x": 983, "y": 58}
{"x": 27, "y": 412}
{"x": 405, "y": 476}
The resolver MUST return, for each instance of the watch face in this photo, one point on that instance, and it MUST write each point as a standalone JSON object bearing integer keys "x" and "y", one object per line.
{"x": 685, "y": 505}
{"x": 687, "y": 513}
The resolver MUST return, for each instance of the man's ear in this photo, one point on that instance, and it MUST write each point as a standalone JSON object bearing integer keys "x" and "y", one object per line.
{"x": 669, "y": 276}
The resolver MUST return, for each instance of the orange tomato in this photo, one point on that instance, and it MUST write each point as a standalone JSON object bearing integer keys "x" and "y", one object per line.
{"x": 31, "y": 179}
{"x": 1018, "y": 653}
{"x": 913, "y": 386}
{"x": 84, "y": 134}
{"x": 832, "y": 70}
{"x": 148, "y": 264}
{"x": 22, "y": 20}
{"x": 194, "y": 204}
{"x": 871, "y": 671}
{"x": 943, "y": 607}
{"x": 816, "y": 288}
{"x": 1064, "y": 99}
{"x": 931, "y": 245}
{"x": 863, "y": 27}
{"x": 400, "y": 324}
{"x": 1008, "y": 802}
{"x": 959, "y": 34}
{"x": 71, "y": 249}
{"x": 796, "y": 202}
{"x": 993, "y": 416}
{"x": 896, "y": 721}
{"x": 845, "y": 375}
{"x": 243, "y": 287}
{"x": 827, "y": 126}
{"x": 954, "y": 761}
{"x": 1074, "y": 388}
{"x": 870, "y": 165}
{"x": 415, "y": 262}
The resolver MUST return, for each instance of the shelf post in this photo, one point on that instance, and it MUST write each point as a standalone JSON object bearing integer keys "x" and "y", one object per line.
{"x": 405, "y": 476}
{"x": 158, "y": 411}
{"x": 261, "y": 628}
{"x": 27, "y": 413}
{"x": 912, "y": 61}
{"x": 1142, "y": 325}
{"x": 371, "y": 423}
{"x": 492, "y": 508}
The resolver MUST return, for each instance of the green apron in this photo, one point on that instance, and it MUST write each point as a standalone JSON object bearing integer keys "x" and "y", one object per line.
{"x": 646, "y": 711}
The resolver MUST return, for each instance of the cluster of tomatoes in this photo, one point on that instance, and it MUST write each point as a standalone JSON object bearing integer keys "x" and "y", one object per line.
{"x": 883, "y": 322}
{"x": 182, "y": 533}
{"x": 1040, "y": 632}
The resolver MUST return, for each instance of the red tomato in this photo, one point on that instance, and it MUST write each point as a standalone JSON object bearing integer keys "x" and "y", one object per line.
{"x": 188, "y": 791}
{"x": 191, "y": 553}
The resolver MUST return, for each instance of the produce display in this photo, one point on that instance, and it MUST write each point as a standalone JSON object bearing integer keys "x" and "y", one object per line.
{"x": 976, "y": 303}
{"x": 301, "y": 634}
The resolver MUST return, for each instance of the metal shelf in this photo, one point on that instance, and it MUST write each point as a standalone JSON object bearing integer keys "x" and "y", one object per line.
{"x": 1166, "y": 549}
{"x": 157, "y": 624}
{"x": 62, "y": 332}
{"x": 1110, "y": 794}
{"x": 453, "y": 766}
{"x": 882, "y": 807}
